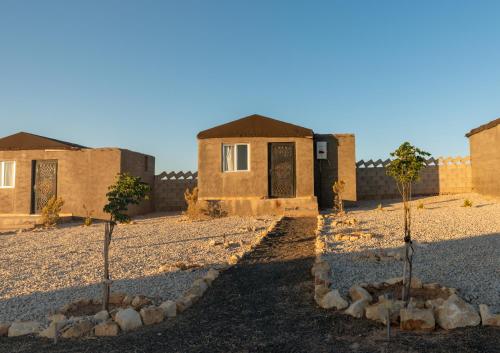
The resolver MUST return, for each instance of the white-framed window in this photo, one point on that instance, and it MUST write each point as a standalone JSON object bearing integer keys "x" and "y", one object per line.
{"x": 7, "y": 174}
{"x": 235, "y": 157}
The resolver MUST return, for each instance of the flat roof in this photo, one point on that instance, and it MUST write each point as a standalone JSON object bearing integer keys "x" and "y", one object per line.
{"x": 483, "y": 127}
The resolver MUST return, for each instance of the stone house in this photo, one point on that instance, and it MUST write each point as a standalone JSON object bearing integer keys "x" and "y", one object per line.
{"x": 34, "y": 168}
{"x": 484, "y": 143}
{"x": 258, "y": 165}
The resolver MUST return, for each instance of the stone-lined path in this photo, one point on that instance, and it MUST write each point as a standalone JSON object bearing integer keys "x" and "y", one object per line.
{"x": 265, "y": 304}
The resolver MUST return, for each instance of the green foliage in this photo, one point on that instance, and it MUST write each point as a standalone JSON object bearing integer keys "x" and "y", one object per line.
{"x": 405, "y": 167}
{"x": 420, "y": 206}
{"x": 467, "y": 203}
{"x": 50, "y": 213}
{"x": 128, "y": 190}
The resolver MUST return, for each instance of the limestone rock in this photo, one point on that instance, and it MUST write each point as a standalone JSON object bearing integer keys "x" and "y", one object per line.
{"x": 52, "y": 329}
{"x": 332, "y": 299}
{"x": 394, "y": 280}
{"x": 416, "y": 303}
{"x": 101, "y": 316}
{"x": 128, "y": 319}
{"x": 487, "y": 318}
{"x": 211, "y": 275}
{"x": 77, "y": 329}
{"x": 108, "y": 328}
{"x": 379, "y": 311}
{"x": 357, "y": 309}
{"x": 4, "y": 329}
{"x": 57, "y": 317}
{"x": 22, "y": 328}
{"x": 127, "y": 300}
{"x": 454, "y": 312}
{"x": 116, "y": 298}
{"x": 416, "y": 282}
{"x": 152, "y": 315}
{"x": 414, "y": 319}
{"x": 140, "y": 301}
{"x": 198, "y": 288}
{"x": 434, "y": 303}
{"x": 319, "y": 292}
{"x": 185, "y": 302}
{"x": 359, "y": 293}
{"x": 169, "y": 308}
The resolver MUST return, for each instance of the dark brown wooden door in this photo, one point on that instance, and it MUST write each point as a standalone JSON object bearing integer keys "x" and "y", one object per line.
{"x": 282, "y": 169}
{"x": 44, "y": 183}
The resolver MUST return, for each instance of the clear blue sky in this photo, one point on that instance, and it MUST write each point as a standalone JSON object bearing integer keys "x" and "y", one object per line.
{"x": 148, "y": 75}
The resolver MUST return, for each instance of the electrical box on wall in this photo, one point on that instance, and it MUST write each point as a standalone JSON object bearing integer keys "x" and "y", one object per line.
{"x": 321, "y": 149}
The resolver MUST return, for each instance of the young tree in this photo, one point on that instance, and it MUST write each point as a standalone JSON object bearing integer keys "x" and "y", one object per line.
{"x": 128, "y": 190}
{"x": 405, "y": 169}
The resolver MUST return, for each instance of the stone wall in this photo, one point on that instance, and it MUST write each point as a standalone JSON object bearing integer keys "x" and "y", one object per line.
{"x": 440, "y": 176}
{"x": 169, "y": 190}
{"x": 485, "y": 156}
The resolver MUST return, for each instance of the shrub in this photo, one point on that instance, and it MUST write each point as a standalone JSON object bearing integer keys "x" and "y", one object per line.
{"x": 380, "y": 207}
{"x": 50, "y": 213}
{"x": 88, "y": 216}
{"x": 467, "y": 203}
{"x": 420, "y": 206}
{"x": 193, "y": 210}
{"x": 338, "y": 189}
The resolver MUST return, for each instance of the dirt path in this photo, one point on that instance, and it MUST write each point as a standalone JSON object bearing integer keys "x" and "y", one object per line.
{"x": 265, "y": 304}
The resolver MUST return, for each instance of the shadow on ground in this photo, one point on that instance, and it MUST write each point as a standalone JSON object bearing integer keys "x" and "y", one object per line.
{"x": 265, "y": 304}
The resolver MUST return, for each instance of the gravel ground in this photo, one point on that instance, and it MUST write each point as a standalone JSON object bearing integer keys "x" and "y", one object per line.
{"x": 455, "y": 246}
{"x": 41, "y": 270}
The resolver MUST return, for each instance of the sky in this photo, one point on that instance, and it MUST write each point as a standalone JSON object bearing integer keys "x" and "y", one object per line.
{"x": 149, "y": 75}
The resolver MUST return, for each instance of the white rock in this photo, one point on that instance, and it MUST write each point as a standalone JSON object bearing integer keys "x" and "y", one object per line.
{"x": 359, "y": 293}
{"x": 128, "y": 319}
{"x": 487, "y": 318}
{"x": 357, "y": 309}
{"x": 454, "y": 312}
{"x": 21, "y": 328}
{"x": 101, "y": 316}
{"x": 57, "y": 317}
{"x": 413, "y": 319}
{"x": 332, "y": 299}
{"x": 169, "y": 308}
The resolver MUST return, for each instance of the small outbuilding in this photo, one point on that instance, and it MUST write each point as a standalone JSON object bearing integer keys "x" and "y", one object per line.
{"x": 34, "y": 168}
{"x": 484, "y": 143}
{"x": 259, "y": 165}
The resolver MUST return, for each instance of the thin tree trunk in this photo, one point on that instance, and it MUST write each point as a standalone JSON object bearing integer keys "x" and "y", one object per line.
{"x": 108, "y": 230}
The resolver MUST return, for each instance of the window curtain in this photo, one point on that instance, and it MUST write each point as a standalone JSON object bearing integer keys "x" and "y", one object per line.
{"x": 229, "y": 158}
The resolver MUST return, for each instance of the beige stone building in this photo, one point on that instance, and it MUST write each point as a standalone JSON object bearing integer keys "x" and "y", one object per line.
{"x": 35, "y": 168}
{"x": 258, "y": 165}
{"x": 484, "y": 143}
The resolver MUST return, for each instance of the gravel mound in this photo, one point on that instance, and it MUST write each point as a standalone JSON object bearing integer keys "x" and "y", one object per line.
{"x": 41, "y": 270}
{"x": 455, "y": 246}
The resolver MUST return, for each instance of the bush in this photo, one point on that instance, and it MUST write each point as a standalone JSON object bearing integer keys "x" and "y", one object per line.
{"x": 467, "y": 203}
{"x": 50, "y": 213}
{"x": 338, "y": 189}
{"x": 193, "y": 210}
{"x": 380, "y": 207}
{"x": 420, "y": 206}
{"x": 88, "y": 217}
